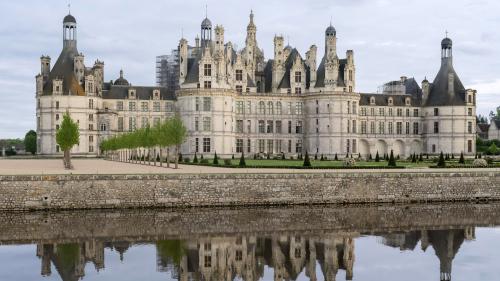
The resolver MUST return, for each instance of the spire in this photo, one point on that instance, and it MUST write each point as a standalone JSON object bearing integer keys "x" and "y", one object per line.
{"x": 121, "y": 73}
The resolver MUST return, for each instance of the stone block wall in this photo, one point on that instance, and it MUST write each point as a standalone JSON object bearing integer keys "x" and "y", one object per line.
{"x": 140, "y": 191}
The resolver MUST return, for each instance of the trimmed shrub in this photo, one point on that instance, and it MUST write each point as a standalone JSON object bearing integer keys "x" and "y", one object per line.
{"x": 377, "y": 157}
{"x": 180, "y": 157}
{"x": 316, "y": 156}
{"x": 307, "y": 162}
{"x": 232, "y": 157}
{"x": 322, "y": 158}
{"x": 336, "y": 158}
{"x": 392, "y": 161}
{"x": 349, "y": 162}
{"x": 441, "y": 162}
{"x": 195, "y": 159}
{"x": 227, "y": 162}
{"x": 479, "y": 163}
{"x": 370, "y": 157}
{"x": 493, "y": 149}
{"x": 283, "y": 156}
{"x": 242, "y": 160}
{"x": 216, "y": 159}
{"x": 204, "y": 161}
{"x": 462, "y": 159}
{"x": 187, "y": 160}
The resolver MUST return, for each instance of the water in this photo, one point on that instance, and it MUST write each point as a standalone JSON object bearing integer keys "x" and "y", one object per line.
{"x": 418, "y": 242}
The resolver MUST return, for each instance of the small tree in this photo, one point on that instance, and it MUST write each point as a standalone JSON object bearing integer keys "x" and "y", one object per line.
{"x": 178, "y": 133}
{"x": 392, "y": 161}
{"x": 283, "y": 156}
{"x": 493, "y": 149}
{"x": 316, "y": 156}
{"x": 30, "y": 142}
{"x": 370, "y": 158}
{"x": 232, "y": 157}
{"x": 307, "y": 162}
{"x": 421, "y": 158}
{"x": 462, "y": 159}
{"x": 377, "y": 157}
{"x": 441, "y": 162}
{"x": 195, "y": 159}
{"x": 322, "y": 158}
{"x": 242, "y": 160}
{"x": 336, "y": 157}
{"x": 66, "y": 137}
{"x": 216, "y": 159}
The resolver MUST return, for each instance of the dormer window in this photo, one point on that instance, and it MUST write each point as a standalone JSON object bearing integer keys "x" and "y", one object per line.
{"x": 156, "y": 94}
{"x": 298, "y": 77}
{"x": 469, "y": 98}
{"x": 207, "y": 70}
{"x": 239, "y": 75}
{"x": 408, "y": 101}
{"x": 372, "y": 100}
{"x": 390, "y": 101}
{"x": 131, "y": 94}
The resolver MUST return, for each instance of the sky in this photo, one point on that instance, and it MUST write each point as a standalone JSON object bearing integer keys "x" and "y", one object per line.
{"x": 390, "y": 38}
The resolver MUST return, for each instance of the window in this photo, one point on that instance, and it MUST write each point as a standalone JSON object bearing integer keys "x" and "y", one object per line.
{"x": 407, "y": 127}
{"x": 297, "y": 253}
{"x": 289, "y": 127}
{"x": 436, "y": 127}
{"x": 269, "y": 127}
{"x": 196, "y": 124}
{"x": 91, "y": 127}
{"x": 298, "y": 107}
{"x": 262, "y": 107}
{"x": 348, "y": 126}
{"x": 469, "y": 146}
{"x": 381, "y": 111}
{"x": 469, "y": 111}
{"x": 408, "y": 101}
{"x": 363, "y": 127}
{"x": 278, "y": 108}
{"x": 298, "y": 127}
{"x": 390, "y": 128}
{"x": 207, "y": 104}
{"x": 348, "y": 107}
{"x": 169, "y": 107}
{"x": 381, "y": 127}
{"x": 348, "y": 146}
{"x": 206, "y": 144}
{"x": 196, "y": 145}
{"x": 469, "y": 127}
{"x": 262, "y": 147}
{"x": 207, "y": 124}
{"x": 354, "y": 128}
{"x": 415, "y": 128}
{"x": 239, "y": 75}
{"x": 289, "y": 146}
{"x": 270, "y": 148}
{"x": 350, "y": 89}
{"x": 132, "y": 124}
{"x": 57, "y": 127}
{"x": 249, "y": 145}
{"x": 363, "y": 111}
{"x": 91, "y": 104}
{"x": 372, "y": 100}
{"x": 239, "y": 107}
{"x": 144, "y": 106}
{"x": 208, "y": 261}
{"x": 433, "y": 148}
{"x": 239, "y": 126}
{"x": 415, "y": 112}
{"x": 399, "y": 112}
{"x": 469, "y": 98}
{"x": 239, "y": 89}
{"x": 197, "y": 104}
{"x": 298, "y": 90}
{"x": 298, "y": 77}
{"x": 57, "y": 116}
{"x": 238, "y": 255}
{"x": 436, "y": 111}
{"x": 131, "y": 106}
{"x": 399, "y": 128}
{"x": 291, "y": 109}
{"x": 298, "y": 146}
{"x": 144, "y": 122}
{"x": 57, "y": 105}
{"x": 249, "y": 126}
{"x": 350, "y": 75}
{"x": 91, "y": 138}
{"x": 249, "y": 107}
{"x": 354, "y": 146}
{"x": 239, "y": 145}
{"x": 372, "y": 111}
{"x": 407, "y": 112}
{"x": 91, "y": 148}
{"x": 270, "y": 107}
{"x": 354, "y": 108}
{"x": 156, "y": 106}
{"x": 390, "y": 112}
{"x": 372, "y": 127}
{"x": 278, "y": 127}
{"x": 261, "y": 126}
{"x": 278, "y": 146}
{"x": 207, "y": 84}
{"x": 207, "y": 70}
{"x": 119, "y": 105}
{"x": 390, "y": 101}
{"x": 104, "y": 127}
{"x": 120, "y": 124}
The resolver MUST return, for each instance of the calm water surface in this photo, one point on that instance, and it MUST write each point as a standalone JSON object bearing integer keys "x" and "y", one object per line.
{"x": 448, "y": 242}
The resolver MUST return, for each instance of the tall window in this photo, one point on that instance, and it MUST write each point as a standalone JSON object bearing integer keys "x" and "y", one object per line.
{"x": 91, "y": 104}
{"x": 239, "y": 145}
{"x": 197, "y": 104}
{"x": 399, "y": 112}
{"x": 239, "y": 126}
{"x": 354, "y": 128}
{"x": 270, "y": 108}
{"x": 144, "y": 106}
{"x": 298, "y": 107}
{"x": 57, "y": 105}
{"x": 197, "y": 144}
{"x": 120, "y": 124}
{"x": 399, "y": 128}
{"x": 239, "y": 75}
{"x": 132, "y": 124}
{"x": 131, "y": 106}
{"x": 144, "y": 122}
{"x": 415, "y": 112}
{"x": 350, "y": 75}
{"x": 119, "y": 105}
{"x": 298, "y": 146}
{"x": 269, "y": 126}
{"x": 381, "y": 127}
{"x": 407, "y": 112}
{"x": 278, "y": 108}
{"x": 207, "y": 70}
{"x": 298, "y": 90}
{"x": 390, "y": 128}
{"x": 407, "y": 127}
{"x": 206, "y": 144}
{"x": 207, "y": 124}
{"x": 239, "y": 107}
{"x": 261, "y": 126}
{"x": 278, "y": 127}
{"x": 469, "y": 146}
{"x": 156, "y": 106}
{"x": 436, "y": 127}
{"x": 196, "y": 124}
{"x": 381, "y": 111}
{"x": 249, "y": 126}
{"x": 298, "y": 77}
{"x": 372, "y": 127}
{"x": 207, "y": 84}
{"x": 207, "y": 104}
{"x": 390, "y": 112}
{"x": 363, "y": 127}
{"x": 469, "y": 111}
{"x": 103, "y": 127}
{"x": 436, "y": 111}
{"x": 262, "y": 146}
{"x": 270, "y": 147}
{"x": 262, "y": 107}
{"x": 469, "y": 127}
{"x": 249, "y": 107}
{"x": 415, "y": 128}
{"x": 289, "y": 127}
{"x": 298, "y": 127}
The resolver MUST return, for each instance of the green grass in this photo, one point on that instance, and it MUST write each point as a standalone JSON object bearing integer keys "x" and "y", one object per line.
{"x": 328, "y": 163}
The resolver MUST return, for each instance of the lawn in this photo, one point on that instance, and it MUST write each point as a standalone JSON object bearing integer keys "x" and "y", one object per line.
{"x": 327, "y": 163}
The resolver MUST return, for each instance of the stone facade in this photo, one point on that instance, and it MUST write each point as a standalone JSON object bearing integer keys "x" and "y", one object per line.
{"x": 138, "y": 191}
{"x": 235, "y": 101}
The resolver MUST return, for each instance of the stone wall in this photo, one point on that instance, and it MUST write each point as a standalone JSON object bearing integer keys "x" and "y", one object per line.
{"x": 138, "y": 191}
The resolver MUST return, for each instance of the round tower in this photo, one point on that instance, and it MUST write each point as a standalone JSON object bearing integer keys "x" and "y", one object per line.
{"x": 206, "y": 32}
{"x": 69, "y": 31}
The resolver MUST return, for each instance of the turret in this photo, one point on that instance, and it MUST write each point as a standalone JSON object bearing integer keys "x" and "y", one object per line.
{"x": 425, "y": 90}
{"x": 69, "y": 31}
{"x": 206, "y": 33}
{"x": 330, "y": 41}
{"x": 279, "y": 62}
{"x": 311, "y": 62}
{"x": 251, "y": 32}
{"x": 45, "y": 66}
{"x": 331, "y": 59}
{"x": 183, "y": 59}
{"x": 79, "y": 67}
{"x": 219, "y": 38}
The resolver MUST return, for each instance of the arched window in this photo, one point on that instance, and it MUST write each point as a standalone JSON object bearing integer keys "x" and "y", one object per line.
{"x": 372, "y": 100}
{"x": 278, "y": 108}
{"x": 103, "y": 127}
{"x": 408, "y": 101}
{"x": 262, "y": 107}
{"x": 270, "y": 108}
{"x": 469, "y": 98}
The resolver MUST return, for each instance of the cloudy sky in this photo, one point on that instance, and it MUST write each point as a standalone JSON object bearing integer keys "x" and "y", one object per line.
{"x": 390, "y": 38}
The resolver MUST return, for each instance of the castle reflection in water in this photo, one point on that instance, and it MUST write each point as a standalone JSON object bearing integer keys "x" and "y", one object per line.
{"x": 233, "y": 257}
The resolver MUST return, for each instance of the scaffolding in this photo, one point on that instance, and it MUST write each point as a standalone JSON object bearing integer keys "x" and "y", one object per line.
{"x": 392, "y": 88}
{"x": 167, "y": 70}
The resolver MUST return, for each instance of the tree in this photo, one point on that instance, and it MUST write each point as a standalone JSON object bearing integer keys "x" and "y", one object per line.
{"x": 163, "y": 139}
{"x": 195, "y": 159}
{"x": 242, "y": 160}
{"x": 392, "y": 161}
{"x": 30, "y": 142}
{"x": 377, "y": 157}
{"x": 307, "y": 162}
{"x": 178, "y": 133}
{"x": 493, "y": 149}
{"x": 461, "y": 160}
{"x": 66, "y": 137}
{"x": 216, "y": 159}
{"x": 441, "y": 162}
{"x": 336, "y": 157}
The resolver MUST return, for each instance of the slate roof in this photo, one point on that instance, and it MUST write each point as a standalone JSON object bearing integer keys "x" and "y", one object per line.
{"x": 320, "y": 74}
{"x": 268, "y": 76}
{"x": 142, "y": 92}
{"x": 438, "y": 94}
{"x": 383, "y": 99}
{"x": 64, "y": 69}
{"x": 484, "y": 127}
{"x": 496, "y": 121}
{"x": 69, "y": 18}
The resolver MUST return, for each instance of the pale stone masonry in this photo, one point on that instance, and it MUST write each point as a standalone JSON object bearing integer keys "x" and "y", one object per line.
{"x": 234, "y": 101}
{"x": 139, "y": 191}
